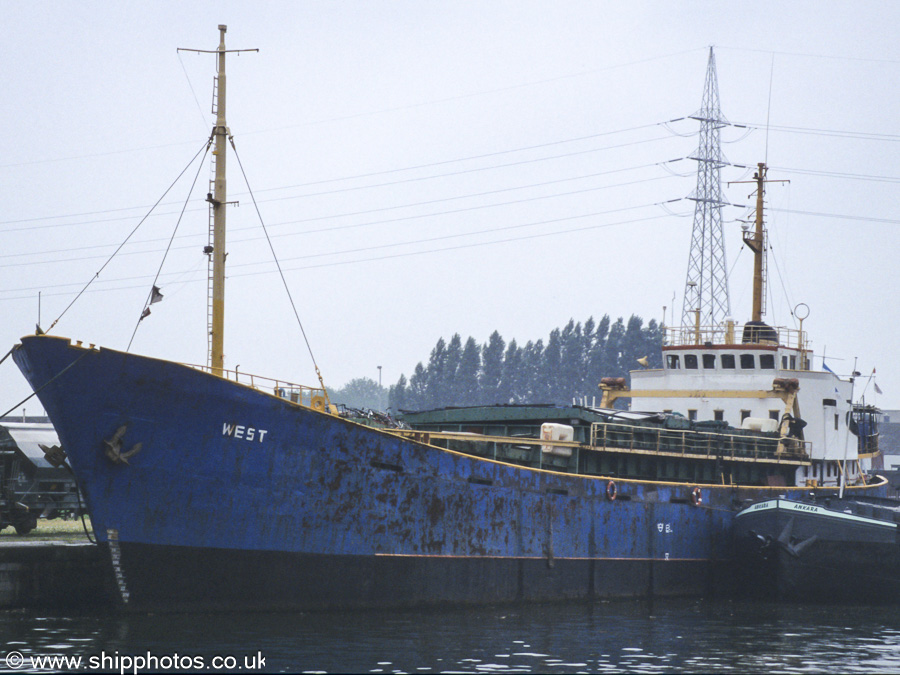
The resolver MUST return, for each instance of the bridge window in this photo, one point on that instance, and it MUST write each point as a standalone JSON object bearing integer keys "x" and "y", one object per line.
{"x": 672, "y": 362}
{"x": 748, "y": 362}
{"x": 773, "y": 414}
{"x": 767, "y": 361}
{"x": 728, "y": 361}
{"x": 709, "y": 360}
{"x": 690, "y": 361}
{"x": 719, "y": 415}
{"x": 692, "y": 415}
{"x": 744, "y": 414}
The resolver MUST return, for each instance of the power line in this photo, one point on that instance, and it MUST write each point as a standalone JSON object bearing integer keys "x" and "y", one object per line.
{"x": 869, "y": 219}
{"x": 804, "y": 130}
{"x": 841, "y": 174}
{"x": 839, "y": 133}
{"x": 377, "y": 222}
{"x": 809, "y": 55}
{"x": 398, "y": 255}
{"x": 347, "y": 189}
{"x": 459, "y": 97}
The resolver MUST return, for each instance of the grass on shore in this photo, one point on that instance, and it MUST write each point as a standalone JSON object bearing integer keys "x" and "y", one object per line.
{"x": 70, "y": 530}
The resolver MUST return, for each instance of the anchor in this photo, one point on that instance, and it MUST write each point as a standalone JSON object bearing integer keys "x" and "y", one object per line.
{"x": 113, "y": 447}
{"x": 786, "y": 540}
{"x": 54, "y": 454}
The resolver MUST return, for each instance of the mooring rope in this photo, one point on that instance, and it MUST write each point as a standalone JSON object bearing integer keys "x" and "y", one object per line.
{"x": 48, "y": 382}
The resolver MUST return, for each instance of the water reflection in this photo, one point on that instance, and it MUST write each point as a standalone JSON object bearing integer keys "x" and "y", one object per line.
{"x": 671, "y": 636}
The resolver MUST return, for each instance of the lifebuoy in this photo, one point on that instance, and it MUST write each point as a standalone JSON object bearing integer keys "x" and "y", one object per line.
{"x": 696, "y": 496}
{"x": 611, "y": 491}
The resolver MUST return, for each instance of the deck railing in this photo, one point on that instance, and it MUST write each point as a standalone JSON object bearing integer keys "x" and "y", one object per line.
{"x": 733, "y": 333}
{"x": 298, "y": 393}
{"x": 710, "y": 444}
{"x": 617, "y": 437}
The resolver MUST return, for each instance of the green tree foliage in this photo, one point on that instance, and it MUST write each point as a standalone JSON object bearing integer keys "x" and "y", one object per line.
{"x": 437, "y": 383}
{"x": 492, "y": 370}
{"x": 571, "y": 365}
{"x": 452, "y": 385}
{"x": 362, "y": 392}
{"x": 467, "y": 388}
{"x": 397, "y": 394}
{"x": 510, "y": 390}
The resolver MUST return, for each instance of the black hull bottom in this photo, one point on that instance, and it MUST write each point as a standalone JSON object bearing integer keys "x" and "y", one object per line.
{"x": 174, "y": 578}
{"x": 843, "y": 551}
{"x": 832, "y": 572}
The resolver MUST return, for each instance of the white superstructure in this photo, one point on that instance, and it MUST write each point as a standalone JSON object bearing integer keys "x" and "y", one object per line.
{"x": 760, "y": 377}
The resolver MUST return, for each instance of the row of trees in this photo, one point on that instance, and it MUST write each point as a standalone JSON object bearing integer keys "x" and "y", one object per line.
{"x": 570, "y": 364}
{"x": 361, "y": 392}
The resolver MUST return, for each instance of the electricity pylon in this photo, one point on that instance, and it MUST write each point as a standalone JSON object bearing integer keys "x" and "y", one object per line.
{"x": 706, "y": 286}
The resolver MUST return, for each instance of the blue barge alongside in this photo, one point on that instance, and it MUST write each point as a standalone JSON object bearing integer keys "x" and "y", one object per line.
{"x": 206, "y": 492}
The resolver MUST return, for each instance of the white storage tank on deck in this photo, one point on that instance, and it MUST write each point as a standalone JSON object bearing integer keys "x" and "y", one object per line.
{"x": 551, "y": 431}
{"x": 759, "y": 424}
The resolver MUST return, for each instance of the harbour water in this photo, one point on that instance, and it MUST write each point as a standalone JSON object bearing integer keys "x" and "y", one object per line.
{"x": 670, "y": 636}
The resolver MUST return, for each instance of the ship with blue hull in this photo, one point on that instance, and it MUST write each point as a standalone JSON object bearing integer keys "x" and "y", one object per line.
{"x": 211, "y": 493}
{"x": 210, "y": 489}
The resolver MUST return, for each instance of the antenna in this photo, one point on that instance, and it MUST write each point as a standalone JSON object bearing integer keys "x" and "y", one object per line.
{"x": 769, "y": 106}
{"x": 706, "y": 285}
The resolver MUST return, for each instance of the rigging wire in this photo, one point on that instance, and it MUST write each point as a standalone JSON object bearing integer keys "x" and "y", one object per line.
{"x": 47, "y": 383}
{"x": 193, "y": 93}
{"x": 736, "y": 258}
{"x": 280, "y": 272}
{"x": 149, "y": 301}
{"x": 781, "y": 280}
{"x": 130, "y": 234}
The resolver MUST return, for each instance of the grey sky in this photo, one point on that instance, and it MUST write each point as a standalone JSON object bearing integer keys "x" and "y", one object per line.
{"x": 430, "y": 168}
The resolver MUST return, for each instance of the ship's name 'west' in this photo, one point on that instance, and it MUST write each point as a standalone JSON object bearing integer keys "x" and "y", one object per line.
{"x": 243, "y": 432}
